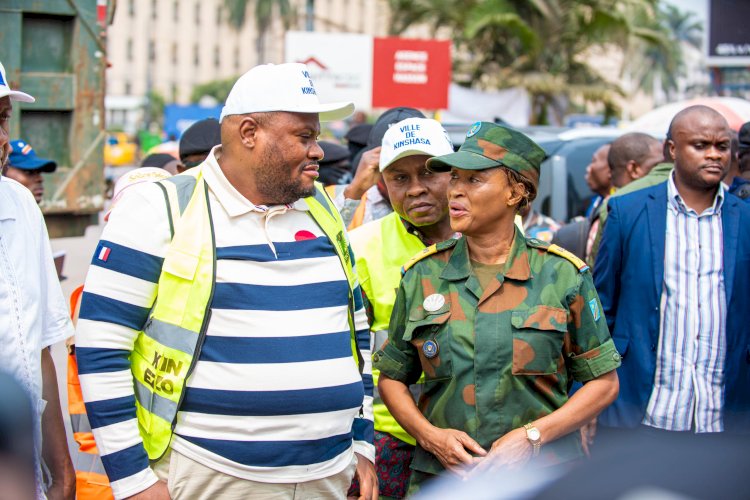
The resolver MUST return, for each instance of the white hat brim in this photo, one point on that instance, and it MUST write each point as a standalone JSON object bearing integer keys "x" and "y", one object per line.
{"x": 16, "y": 95}
{"x": 326, "y": 112}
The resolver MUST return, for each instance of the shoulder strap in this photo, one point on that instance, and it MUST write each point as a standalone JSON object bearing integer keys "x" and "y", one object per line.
{"x": 177, "y": 191}
{"x": 426, "y": 252}
{"x": 560, "y": 251}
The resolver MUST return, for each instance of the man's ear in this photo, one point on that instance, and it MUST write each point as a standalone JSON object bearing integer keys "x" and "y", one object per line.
{"x": 249, "y": 130}
{"x": 672, "y": 148}
{"x": 634, "y": 170}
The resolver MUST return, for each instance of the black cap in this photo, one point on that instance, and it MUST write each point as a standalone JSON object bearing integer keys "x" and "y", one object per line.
{"x": 393, "y": 115}
{"x": 200, "y": 137}
{"x": 333, "y": 152}
{"x": 358, "y": 134}
{"x": 744, "y": 137}
{"x": 157, "y": 160}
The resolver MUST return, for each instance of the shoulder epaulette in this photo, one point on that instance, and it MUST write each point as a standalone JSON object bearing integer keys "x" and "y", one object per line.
{"x": 426, "y": 252}
{"x": 565, "y": 254}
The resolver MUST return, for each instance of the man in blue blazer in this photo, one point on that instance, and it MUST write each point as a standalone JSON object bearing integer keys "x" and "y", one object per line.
{"x": 673, "y": 276}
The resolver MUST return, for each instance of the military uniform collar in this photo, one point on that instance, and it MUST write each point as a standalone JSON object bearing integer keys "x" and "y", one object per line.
{"x": 517, "y": 266}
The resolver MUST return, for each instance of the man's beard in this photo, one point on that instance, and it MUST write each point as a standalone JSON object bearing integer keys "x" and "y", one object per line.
{"x": 273, "y": 180}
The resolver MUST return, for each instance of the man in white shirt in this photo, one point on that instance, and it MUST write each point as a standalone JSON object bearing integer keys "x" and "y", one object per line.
{"x": 33, "y": 315}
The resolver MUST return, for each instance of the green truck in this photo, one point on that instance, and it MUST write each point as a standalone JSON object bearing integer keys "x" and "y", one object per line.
{"x": 55, "y": 50}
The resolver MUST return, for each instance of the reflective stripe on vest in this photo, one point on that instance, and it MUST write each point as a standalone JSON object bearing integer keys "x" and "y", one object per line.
{"x": 168, "y": 347}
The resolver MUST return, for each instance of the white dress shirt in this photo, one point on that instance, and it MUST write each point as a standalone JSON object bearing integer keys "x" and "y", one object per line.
{"x": 33, "y": 313}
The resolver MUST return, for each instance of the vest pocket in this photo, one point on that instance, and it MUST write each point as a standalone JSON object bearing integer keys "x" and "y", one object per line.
{"x": 538, "y": 335}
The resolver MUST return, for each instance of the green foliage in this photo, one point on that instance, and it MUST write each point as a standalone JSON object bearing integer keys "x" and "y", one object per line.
{"x": 540, "y": 45}
{"x": 155, "y": 103}
{"x": 659, "y": 65}
{"x": 218, "y": 89}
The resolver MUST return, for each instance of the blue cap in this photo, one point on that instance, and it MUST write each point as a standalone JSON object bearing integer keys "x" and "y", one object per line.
{"x": 22, "y": 156}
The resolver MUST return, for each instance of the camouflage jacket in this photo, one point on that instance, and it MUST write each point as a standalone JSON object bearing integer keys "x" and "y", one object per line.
{"x": 506, "y": 355}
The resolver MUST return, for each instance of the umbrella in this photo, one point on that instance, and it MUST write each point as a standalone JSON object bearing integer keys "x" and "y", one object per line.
{"x": 656, "y": 122}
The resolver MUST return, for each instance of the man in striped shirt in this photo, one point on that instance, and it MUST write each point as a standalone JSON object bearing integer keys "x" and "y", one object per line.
{"x": 672, "y": 274}
{"x": 275, "y": 406}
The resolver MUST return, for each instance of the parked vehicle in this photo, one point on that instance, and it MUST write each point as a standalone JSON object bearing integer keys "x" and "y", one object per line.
{"x": 56, "y": 51}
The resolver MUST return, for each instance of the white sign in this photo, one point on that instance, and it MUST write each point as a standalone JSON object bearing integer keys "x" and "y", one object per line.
{"x": 340, "y": 64}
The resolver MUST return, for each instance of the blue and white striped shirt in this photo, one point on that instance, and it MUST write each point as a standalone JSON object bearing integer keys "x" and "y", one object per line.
{"x": 688, "y": 389}
{"x": 276, "y": 394}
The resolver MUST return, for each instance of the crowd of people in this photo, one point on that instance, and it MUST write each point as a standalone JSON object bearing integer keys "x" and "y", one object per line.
{"x": 270, "y": 316}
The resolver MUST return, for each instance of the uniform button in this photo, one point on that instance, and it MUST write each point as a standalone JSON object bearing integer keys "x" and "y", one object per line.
{"x": 653, "y": 347}
{"x": 616, "y": 356}
{"x": 376, "y": 357}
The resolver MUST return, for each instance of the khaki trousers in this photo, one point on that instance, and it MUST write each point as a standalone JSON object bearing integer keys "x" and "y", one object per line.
{"x": 187, "y": 479}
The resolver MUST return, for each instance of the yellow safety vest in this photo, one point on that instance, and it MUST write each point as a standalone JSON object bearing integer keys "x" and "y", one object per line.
{"x": 168, "y": 348}
{"x": 381, "y": 247}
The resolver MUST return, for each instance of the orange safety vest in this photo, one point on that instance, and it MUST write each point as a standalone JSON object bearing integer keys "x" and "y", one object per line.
{"x": 92, "y": 482}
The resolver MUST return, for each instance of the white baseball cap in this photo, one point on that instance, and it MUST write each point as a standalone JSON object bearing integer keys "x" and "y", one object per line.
{"x": 280, "y": 87}
{"x": 414, "y": 136}
{"x": 5, "y": 89}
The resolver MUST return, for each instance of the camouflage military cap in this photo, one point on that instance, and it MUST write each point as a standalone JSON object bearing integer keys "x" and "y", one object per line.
{"x": 489, "y": 145}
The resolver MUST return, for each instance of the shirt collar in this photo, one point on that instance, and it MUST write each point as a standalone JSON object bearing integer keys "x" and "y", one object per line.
{"x": 676, "y": 203}
{"x": 232, "y": 200}
{"x": 517, "y": 266}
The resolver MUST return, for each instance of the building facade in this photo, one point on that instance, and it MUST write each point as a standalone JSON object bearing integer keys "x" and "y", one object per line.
{"x": 170, "y": 46}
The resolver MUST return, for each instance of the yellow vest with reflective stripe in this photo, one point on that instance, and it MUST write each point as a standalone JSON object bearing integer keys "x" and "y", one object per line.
{"x": 381, "y": 247}
{"x": 166, "y": 350}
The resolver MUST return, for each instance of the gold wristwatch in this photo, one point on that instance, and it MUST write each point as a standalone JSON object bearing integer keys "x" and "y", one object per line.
{"x": 534, "y": 437}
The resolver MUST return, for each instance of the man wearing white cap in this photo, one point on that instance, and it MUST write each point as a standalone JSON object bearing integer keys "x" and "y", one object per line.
{"x": 33, "y": 315}
{"x": 222, "y": 342}
{"x": 382, "y": 247}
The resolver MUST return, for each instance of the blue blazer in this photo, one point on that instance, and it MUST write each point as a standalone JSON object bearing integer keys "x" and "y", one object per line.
{"x": 629, "y": 276}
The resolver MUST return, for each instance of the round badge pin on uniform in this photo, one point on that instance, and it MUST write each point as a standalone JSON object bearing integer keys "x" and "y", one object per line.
{"x": 433, "y": 302}
{"x": 430, "y": 349}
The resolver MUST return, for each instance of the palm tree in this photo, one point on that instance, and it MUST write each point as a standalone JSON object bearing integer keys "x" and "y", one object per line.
{"x": 661, "y": 65}
{"x": 540, "y": 45}
{"x": 263, "y": 13}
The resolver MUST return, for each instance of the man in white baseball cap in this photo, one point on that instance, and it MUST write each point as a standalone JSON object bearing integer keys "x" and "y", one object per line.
{"x": 33, "y": 316}
{"x": 222, "y": 333}
{"x": 6, "y": 96}
{"x": 383, "y": 246}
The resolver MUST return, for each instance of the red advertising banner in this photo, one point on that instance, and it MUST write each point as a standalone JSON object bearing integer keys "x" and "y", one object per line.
{"x": 410, "y": 72}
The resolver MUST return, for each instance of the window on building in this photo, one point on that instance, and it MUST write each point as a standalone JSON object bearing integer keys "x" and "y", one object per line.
{"x": 173, "y": 91}
{"x": 128, "y": 89}
{"x": 310, "y": 15}
{"x": 237, "y": 58}
{"x": 154, "y": 8}
{"x": 175, "y": 11}
{"x": 197, "y": 12}
{"x": 129, "y": 49}
{"x": 219, "y": 15}
{"x": 217, "y": 57}
{"x": 174, "y": 54}
{"x": 131, "y": 8}
{"x": 196, "y": 55}
{"x": 151, "y": 50}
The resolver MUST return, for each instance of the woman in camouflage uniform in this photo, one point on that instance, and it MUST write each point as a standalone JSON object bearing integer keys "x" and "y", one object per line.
{"x": 500, "y": 325}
